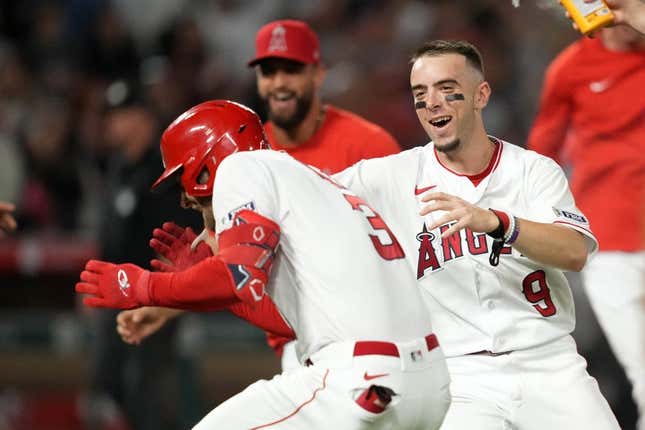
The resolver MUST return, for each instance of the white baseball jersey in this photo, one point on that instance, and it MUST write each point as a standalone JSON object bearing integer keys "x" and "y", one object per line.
{"x": 475, "y": 306}
{"x": 341, "y": 281}
{"x": 339, "y": 274}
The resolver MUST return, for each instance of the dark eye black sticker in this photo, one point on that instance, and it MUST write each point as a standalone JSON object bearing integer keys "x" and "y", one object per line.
{"x": 453, "y": 97}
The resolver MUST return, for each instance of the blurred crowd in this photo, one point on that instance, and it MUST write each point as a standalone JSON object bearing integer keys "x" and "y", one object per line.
{"x": 57, "y": 58}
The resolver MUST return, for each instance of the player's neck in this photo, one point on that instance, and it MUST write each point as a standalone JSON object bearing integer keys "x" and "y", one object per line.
{"x": 304, "y": 131}
{"x": 473, "y": 155}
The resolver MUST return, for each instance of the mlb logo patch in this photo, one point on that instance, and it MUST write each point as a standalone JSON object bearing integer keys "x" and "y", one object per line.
{"x": 248, "y": 205}
{"x": 416, "y": 355}
{"x": 570, "y": 215}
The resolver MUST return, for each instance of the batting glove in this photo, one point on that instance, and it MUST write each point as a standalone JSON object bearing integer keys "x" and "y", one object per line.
{"x": 117, "y": 286}
{"x": 173, "y": 243}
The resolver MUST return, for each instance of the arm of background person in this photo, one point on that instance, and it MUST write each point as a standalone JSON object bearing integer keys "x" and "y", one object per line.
{"x": 135, "y": 325}
{"x": 552, "y": 121}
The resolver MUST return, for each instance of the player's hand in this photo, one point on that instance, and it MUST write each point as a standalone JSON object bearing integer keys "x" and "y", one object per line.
{"x": 175, "y": 244}
{"x": 135, "y": 325}
{"x": 465, "y": 214}
{"x": 117, "y": 286}
{"x": 7, "y": 221}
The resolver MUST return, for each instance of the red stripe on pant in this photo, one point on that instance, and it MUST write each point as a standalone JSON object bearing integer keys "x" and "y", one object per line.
{"x": 313, "y": 396}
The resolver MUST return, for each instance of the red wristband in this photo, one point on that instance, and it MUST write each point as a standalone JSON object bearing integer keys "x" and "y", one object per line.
{"x": 504, "y": 219}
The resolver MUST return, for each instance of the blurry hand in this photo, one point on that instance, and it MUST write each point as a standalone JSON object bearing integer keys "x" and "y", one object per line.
{"x": 630, "y": 12}
{"x": 137, "y": 324}
{"x": 7, "y": 221}
{"x": 173, "y": 244}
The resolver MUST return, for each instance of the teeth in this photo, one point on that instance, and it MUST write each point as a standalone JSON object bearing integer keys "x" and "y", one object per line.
{"x": 440, "y": 121}
{"x": 282, "y": 97}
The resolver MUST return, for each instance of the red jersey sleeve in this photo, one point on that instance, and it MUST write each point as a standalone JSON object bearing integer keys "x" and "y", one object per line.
{"x": 554, "y": 114}
{"x": 266, "y": 316}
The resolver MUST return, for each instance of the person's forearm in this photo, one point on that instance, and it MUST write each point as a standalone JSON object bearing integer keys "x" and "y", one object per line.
{"x": 206, "y": 286}
{"x": 552, "y": 244}
{"x": 170, "y": 313}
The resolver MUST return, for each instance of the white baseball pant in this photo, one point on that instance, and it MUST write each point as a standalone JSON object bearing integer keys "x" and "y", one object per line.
{"x": 615, "y": 285}
{"x": 328, "y": 393}
{"x": 546, "y": 387}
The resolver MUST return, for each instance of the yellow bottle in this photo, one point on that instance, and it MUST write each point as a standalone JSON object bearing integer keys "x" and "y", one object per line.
{"x": 588, "y": 16}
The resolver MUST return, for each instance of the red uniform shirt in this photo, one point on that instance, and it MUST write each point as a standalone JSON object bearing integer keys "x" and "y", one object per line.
{"x": 343, "y": 139}
{"x": 594, "y": 100}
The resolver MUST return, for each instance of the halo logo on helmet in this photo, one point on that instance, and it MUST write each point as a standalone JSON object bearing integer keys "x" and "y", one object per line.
{"x": 200, "y": 138}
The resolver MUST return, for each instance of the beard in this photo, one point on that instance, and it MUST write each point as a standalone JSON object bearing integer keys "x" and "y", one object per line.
{"x": 448, "y": 147}
{"x": 290, "y": 122}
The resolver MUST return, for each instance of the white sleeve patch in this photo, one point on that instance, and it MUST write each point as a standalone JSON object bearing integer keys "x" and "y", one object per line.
{"x": 229, "y": 216}
{"x": 566, "y": 215}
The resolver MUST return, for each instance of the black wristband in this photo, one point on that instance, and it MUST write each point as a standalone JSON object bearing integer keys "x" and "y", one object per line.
{"x": 498, "y": 233}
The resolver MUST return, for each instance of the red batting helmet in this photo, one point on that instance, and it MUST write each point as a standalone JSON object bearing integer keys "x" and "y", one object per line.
{"x": 202, "y": 137}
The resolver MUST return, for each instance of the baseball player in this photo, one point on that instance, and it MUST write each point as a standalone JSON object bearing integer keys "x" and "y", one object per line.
{"x": 591, "y": 80}
{"x": 289, "y": 77}
{"x": 488, "y": 228}
{"x": 342, "y": 287}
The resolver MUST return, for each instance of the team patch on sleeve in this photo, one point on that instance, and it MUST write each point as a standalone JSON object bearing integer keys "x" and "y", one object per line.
{"x": 248, "y": 205}
{"x": 579, "y": 218}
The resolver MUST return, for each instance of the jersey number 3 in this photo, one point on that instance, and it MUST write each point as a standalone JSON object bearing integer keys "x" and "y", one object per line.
{"x": 389, "y": 251}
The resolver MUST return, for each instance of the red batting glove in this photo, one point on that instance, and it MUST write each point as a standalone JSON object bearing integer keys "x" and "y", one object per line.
{"x": 174, "y": 244}
{"x": 117, "y": 286}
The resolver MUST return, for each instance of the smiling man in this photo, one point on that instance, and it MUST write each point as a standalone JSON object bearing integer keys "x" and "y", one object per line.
{"x": 289, "y": 78}
{"x": 492, "y": 278}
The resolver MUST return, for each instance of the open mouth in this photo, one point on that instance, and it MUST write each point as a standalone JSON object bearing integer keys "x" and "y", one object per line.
{"x": 283, "y": 96}
{"x": 441, "y": 121}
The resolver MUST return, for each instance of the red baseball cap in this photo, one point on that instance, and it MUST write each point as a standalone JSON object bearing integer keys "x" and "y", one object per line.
{"x": 287, "y": 38}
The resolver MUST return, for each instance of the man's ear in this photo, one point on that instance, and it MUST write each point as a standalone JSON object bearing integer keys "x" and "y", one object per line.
{"x": 482, "y": 95}
{"x": 319, "y": 75}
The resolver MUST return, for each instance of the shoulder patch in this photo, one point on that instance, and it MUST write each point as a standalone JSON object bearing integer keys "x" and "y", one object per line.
{"x": 248, "y": 205}
{"x": 570, "y": 215}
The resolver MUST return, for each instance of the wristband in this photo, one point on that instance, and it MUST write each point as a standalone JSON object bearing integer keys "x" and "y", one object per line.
{"x": 513, "y": 231}
{"x": 502, "y": 228}
{"x": 506, "y": 233}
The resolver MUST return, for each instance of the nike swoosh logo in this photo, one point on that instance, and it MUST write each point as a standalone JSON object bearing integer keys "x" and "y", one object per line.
{"x": 422, "y": 190}
{"x": 376, "y": 375}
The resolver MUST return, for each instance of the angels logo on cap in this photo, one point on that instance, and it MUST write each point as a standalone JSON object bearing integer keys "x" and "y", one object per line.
{"x": 278, "y": 41}
{"x": 289, "y": 39}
